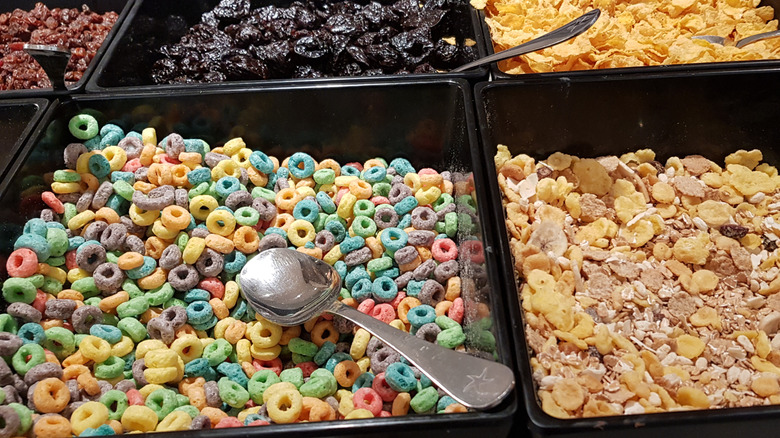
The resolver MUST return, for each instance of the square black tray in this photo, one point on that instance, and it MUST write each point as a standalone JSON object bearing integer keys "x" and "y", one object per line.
{"x": 18, "y": 118}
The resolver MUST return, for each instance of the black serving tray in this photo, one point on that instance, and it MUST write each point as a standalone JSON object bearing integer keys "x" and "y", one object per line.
{"x": 18, "y": 118}
{"x": 429, "y": 122}
{"x": 646, "y": 71}
{"x": 121, "y": 7}
{"x": 712, "y": 115}
{"x": 130, "y": 57}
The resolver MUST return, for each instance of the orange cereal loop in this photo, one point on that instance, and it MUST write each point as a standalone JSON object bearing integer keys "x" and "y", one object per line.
{"x": 283, "y": 221}
{"x": 309, "y": 325}
{"x": 179, "y": 175}
{"x": 372, "y": 163}
{"x": 425, "y": 253}
{"x": 289, "y": 333}
{"x": 144, "y": 187}
{"x": 75, "y": 359}
{"x": 314, "y": 252}
{"x": 106, "y": 214}
{"x": 160, "y": 174}
{"x": 351, "y": 302}
{"x": 376, "y": 247}
{"x": 214, "y": 414}
{"x": 117, "y": 426}
{"x": 442, "y": 307}
{"x": 429, "y": 180}
{"x": 52, "y": 426}
{"x": 285, "y": 163}
{"x": 89, "y": 182}
{"x": 314, "y": 409}
{"x": 219, "y": 243}
{"x": 154, "y": 247}
{"x": 73, "y": 371}
{"x": 218, "y": 150}
{"x": 331, "y": 164}
{"x": 49, "y": 323}
{"x": 220, "y": 309}
{"x": 248, "y": 368}
{"x": 447, "y": 187}
{"x": 287, "y": 198}
{"x": 157, "y": 278}
{"x": 401, "y": 404}
{"x": 235, "y": 331}
{"x": 149, "y": 314}
{"x": 175, "y": 217}
{"x": 89, "y": 383}
{"x": 147, "y": 154}
{"x": 453, "y": 288}
{"x": 483, "y": 310}
{"x": 411, "y": 266}
{"x": 184, "y": 330}
{"x": 191, "y": 159}
{"x": 258, "y": 178}
{"x": 361, "y": 189}
{"x": 130, "y": 260}
{"x": 404, "y": 306}
{"x": 306, "y": 182}
{"x": 246, "y": 239}
{"x": 186, "y": 384}
{"x": 455, "y": 407}
{"x": 51, "y": 358}
{"x": 51, "y": 396}
{"x": 275, "y": 161}
{"x": 324, "y": 331}
{"x": 346, "y": 372}
{"x": 109, "y": 304}
{"x": 197, "y": 396}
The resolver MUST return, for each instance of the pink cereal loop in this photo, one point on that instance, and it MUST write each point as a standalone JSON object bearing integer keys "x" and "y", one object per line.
{"x": 427, "y": 171}
{"x": 366, "y": 306}
{"x": 132, "y": 165}
{"x": 53, "y": 202}
{"x": 379, "y": 384}
{"x": 473, "y": 249}
{"x": 343, "y": 191}
{"x": 379, "y": 200}
{"x": 358, "y": 166}
{"x": 397, "y": 299}
{"x": 444, "y": 250}
{"x": 22, "y": 263}
{"x": 307, "y": 368}
{"x": 456, "y": 311}
{"x": 383, "y": 312}
{"x": 367, "y": 398}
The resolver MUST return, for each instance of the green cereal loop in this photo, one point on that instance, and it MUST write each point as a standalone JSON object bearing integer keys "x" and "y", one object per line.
{"x": 83, "y": 126}
{"x": 181, "y": 240}
{"x": 485, "y": 323}
{"x": 131, "y": 288}
{"x": 198, "y": 190}
{"x": 324, "y": 176}
{"x": 232, "y": 393}
{"x": 321, "y": 384}
{"x": 25, "y": 417}
{"x": 337, "y": 218}
{"x": 382, "y": 189}
{"x": 20, "y": 362}
{"x": 86, "y": 286}
{"x": 58, "y": 241}
{"x": 51, "y": 286}
{"x": 444, "y": 322}
{"x": 37, "y": 280}
{"x": 133, "y": 307}
{"x": 2, "y": 397}
{"x": 217, "y": 351}
{"x": 260, "y": 381}
{"x": 444, "y": 200}
{"x": 162, "y": 402}
{"x": 112, "y": 257}
{"x": 468, "y": 201}
{"x": 123, "y": 189}
{"x": 8, "y": 324}
{"x": 212, "y": 191}
{"x": 70, "y": 211}
{"x": 190, "y": 410}
{"x": 482, "y": 339}
{"x": 19, "y": 290}
{"x": 364, "y": 226}
{"x": 425, "y": 400}
{"x": 364, "y": 207}
{"x": 451, "y": 224}
{"x": 319, "y": 223}
{"x": 262, "y": 192}
{"x": 293, "y": 375}
{"x": 247, "y": 216}
{"x": 55, "y": 261}
{"x": 66, "y": 177}
{"x": 110, "y": 319}
{"x": 304, "y": 348}
{"x": 379, "y": 264}
{"x": 181, "y": 400}
{"x": 158, "y": 296}
{"x": 451, "y": 337}
{"x": 300, "y": 358}
{"x": 174, "y": 302}
{"x": 110, "y": 368}
{"x": 92, "y": 301}
{"x": 116, "y": 402}
{"x": 132, "y": 328}
{"x": 60, "y": 341}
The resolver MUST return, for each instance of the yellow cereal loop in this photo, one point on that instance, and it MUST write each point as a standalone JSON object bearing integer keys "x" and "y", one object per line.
{"x": 63, "y": 188}
{"x": 89, "y": 415}
{"x": 243, "y": 350}
{"x": 242, "y": 158}
{"x": 359, "y": 414}
{"x": 232, "y": 292}
{"x": 162, "y": 231}
{"x": 226, "y": 168}
{"x": 193, "y": 250}
{"x": 359, "y": 344}
{"x": 149, "y": 136}
{"x": 82, "y": 163}
{"x": 188, "y": 347}
{"x": 270, "y": 353}
{"x": 427, "y": 196}
{"x": 142, "y": 217}
{"x": 265, "y": 334}
{"x": 176, "y": 420}
{"x": 346, "y": 205}
{"x": 80, "y": 220}
{"x": 285, "y": 405}
{"x": 305, "y": 191}
{"x": 233, "y": 146}
{"x": 301, "y": 232}
{"x": 95, "y": 349}
{"x": 413, "y": 181}
{"x": 148, "y": 345}
{"x": 201, "y": 206}
{"x": 220, "y": 222}
{"x": 139, "y": 419}
{"x": 123, "y": 347}
{"x": 116, "y": 156}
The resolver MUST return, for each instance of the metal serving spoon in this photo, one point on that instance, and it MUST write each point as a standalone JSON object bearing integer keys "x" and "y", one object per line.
{"x": 289, "y": 288}
{"x": 741, "y": 43}
{"x": 53, "y": 60}
{"x": 559, "y": 35}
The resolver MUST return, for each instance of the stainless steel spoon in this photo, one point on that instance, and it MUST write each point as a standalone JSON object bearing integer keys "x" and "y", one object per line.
{"x": 53, "y": 60}
{"x": 559, "y": 35}
{"x": 741, "y": 43}
{"x": 288, "y": 287}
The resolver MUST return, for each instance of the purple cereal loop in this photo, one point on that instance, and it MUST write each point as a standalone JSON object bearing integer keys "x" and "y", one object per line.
{"x": 382, "y": 359}
{"x": 135, "y": 244}
{"x": 25, "y": 312}
{"x": 71, "y": 154}
{"x": 391, "y": 171}
{"x": 75, "y": 392}
{"x": 266, "y": 209}
{"x": 157, "y": 199}
{"x": 181, "y": 198}
{"x": 406, "y": 255}
{"x": 113, "y": 237}
{"x": 138, "y": 372}
{"x": 170, "y": 257}
{"x": 402, "y": 280}
{"x": 9, "y": 343}
{"x": 264, "y": 409}
{"x": 212, "y": 394}
{"x": 431, "y": 293}
{"x": 397, "y": 179}
{"x": 48, "y": 215}
{"x": 11, "y": 394}
{"x": 132, "y": 227}
{"x": 359, "y": 256}
{"x": 398, "y": 192}
{"x": 238, "y": 199}
{"x": 161, "y": 329}
{"x": 446, "y": 175}
{"x": 212, "y": 159}
{"x": 43, "y": 371}
{"x": 108, "y": 277}
{"x": 11, "y": 421}
{"x": 199, "y": 232}
{"x": 59, "y": 309}
{"x": 423, "y": 218}
{"x": 104, "y": 191}
{"x": 91, "y": 256}
{"x": 19, "y": 384}
{"x": 124, "y": 385}
{"x": 104, "y": 387}
{"x": 200, "y": 422}
{"x": 95, "y": 230}
{"x": 374, "y": 345}
{"x": 73, "y": 406}
{"x": 449, "y": 208}
{"x": 176, "y": 315}
{"x": 424, "y": 270}
{"x": 132, "y": 146}
{"x": 446, "y": 270}
{"x": 343, "y": 325}
{"x": 330, "y": 400}
{"x": 281, "y": 184}
{"x": 85, "y": 317}
{"x": 421, "y": 238}
{"x": 271, "y": 240}
{"x": 385, "y": 218}
{"x": 342, "y": 347}
{"x": 210, "y": 263}
{"x": 174, "y": 145}
{"x": 244, "y": 177}
{"x": 141, "y": 174}
{"x": 183, "y": 277}
{"x": 69, "y": 198}
{"x": 30, "y": 398}
{"x": 325, "y": 241}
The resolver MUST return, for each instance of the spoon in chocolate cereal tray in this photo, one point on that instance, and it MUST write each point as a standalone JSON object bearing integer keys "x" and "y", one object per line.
{"x": 557, "y": 36}
{"x": 288, "y": 287}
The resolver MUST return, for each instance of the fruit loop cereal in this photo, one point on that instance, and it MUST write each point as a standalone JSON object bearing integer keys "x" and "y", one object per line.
{"x": 630, "y": 34}
{"x": 123, "y": 312}
{"x": 646, "y": 287}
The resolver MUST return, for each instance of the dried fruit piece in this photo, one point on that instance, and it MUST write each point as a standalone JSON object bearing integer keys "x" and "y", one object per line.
{"x": 733, "y": 230}
{"x": 549, "y": 238}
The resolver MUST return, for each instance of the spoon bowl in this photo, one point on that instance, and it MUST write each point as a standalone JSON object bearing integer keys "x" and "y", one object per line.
{"x": 288, "y": 287}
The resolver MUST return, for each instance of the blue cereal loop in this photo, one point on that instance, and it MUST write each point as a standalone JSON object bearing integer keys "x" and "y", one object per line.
{"x": 414, "y": 287}
{"x": 196, "y": 145}
{"x": 421, "y": 315}
{"x": 362, "y": 289}
{"x": 240, "y": 310}
{"x": 375, "y": 174}
{"x": 127, "y": 177}
{"x": 142, "y": 271}
{"x": 349, "y": 171}
{"x": 234, "y": 261}
{"x": 196, "y": 295}
{"x": 206, "y": 325}
{"x": 297, "y": 160}
{"x": 384, "y": 289}
{"x": 405, "y": 221}
{"x": 98, "y": 165}
{"x": 111, "y": 138}
{"x": 306, "y": 210}
{"x": 199, "y": 312}
{"x": 326, "y": 202}
{"x": 35, "y": 226}
{"x": 400, "y": 377}
{"x": 337, "y": 229}
{"x": 335, "y": 359}
{"x": 110, "y": 127}
{"x": 393, "y": 239}
{"x": 402, "y": 166}
{"x": 357, "y": 273}
{"x": 227, "y": 185}
{"x": 199, "y": 175}
{"x": 234, "y": 372}
{"x": 341, "y": 268}
{"x": 406, "y": 205}
{"x": 109, "y": 333}
{"x": 363, "y": 381}
{"x": 260, "y": 161}
{"x": 31, "y": 333}
{"x": 276, "y": 230}
{"x": 37, "y": 243}
{"x": 283, "y": 173}
{"x": 350, "y": 244}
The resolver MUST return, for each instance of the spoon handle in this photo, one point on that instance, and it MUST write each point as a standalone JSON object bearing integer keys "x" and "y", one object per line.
{"x": 757, "y": 37}
{"x": 559, "y": 35}
{"x": 472, "y": 381}
{"x": 54, "y": 61}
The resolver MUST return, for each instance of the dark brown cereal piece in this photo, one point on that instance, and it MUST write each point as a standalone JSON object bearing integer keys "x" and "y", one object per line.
{"x": 91, "y": 256}
{"x": 42, "y": 371}
{"x": 425, "y": 270}
{"x": 135, "y": 244}
{"x": 173, "y": 145}
{"x": 138, "y": 368}
{"x": 398, "y": 192}
{"x": 170, "y": 257}
{"x": 9, "y": 343}
{"x": 108, "y": 278}
{"x": 343, "y": 325}
{"x": 688, "y": 186}
{"x": 181, "y": 198}
{"x": 406, "y": 255}
{"x": 75, "y": 391}
{"x": 374, "y": 345}
{"x": 85, "y": 317}
{"x": 325, "y": 241}
{"x": 157, "y": 199}
{"x": 72, "y": 153}
{"x": 266, "y": 209}
{"x": 200, "y": 422}
{"x": 114, "y": 236}
{"x": 210, "y": 263}
{"x": 244, "y": 177}
{"x": 25, "y": 312}
{"x": 432, "y": 293}
{"x": 213, "y": 158}
{"x": 11, "y": 394}
{"x": 238, "y": 199}
{"x": 29, "y": 397}
{"x": 73, "y": 405}
{"x": 428, "y": 332}
{"x": 104, "y": 191}
{"x": 184, "y": 277}
{"x": 696, "y": 164}
{"x": 402, "y": 280}
{"x": 359, "y": 256}
{"x": 272, "y": 240}
{"x": 199, "y": 232}
{"x": 733, "y": 231}
{"x": 60, "y": 309}
{"x": 11, "y": 421}
{"x": 422, "y": 238}
{"x": 95, "y": 230}
{"x": 212, "y": 394}
{"x": 446, "y": 270}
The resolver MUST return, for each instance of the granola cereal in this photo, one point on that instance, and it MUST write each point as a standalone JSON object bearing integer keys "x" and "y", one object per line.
{"x": 646, "y": 287}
